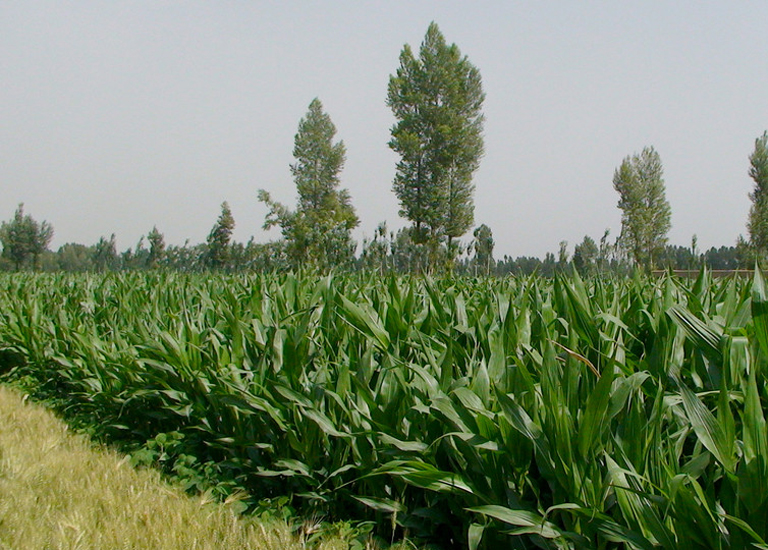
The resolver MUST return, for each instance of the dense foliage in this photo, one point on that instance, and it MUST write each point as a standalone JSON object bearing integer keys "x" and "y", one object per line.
{"x": 758, "y": 212}
{"x": 437, "y": 99}
{"x": 514, "y": 413}
{"x": 318, "y": 233}
{"x": 217, "y": 248}
{"x": 23, "y": 238}
{"x": 645, "y": 212}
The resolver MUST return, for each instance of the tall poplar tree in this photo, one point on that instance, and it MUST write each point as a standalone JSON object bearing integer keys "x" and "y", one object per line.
{"x": 217, "y": 249}
{"x": 318, "y": 234}
{"x": 758, "y": 212}
{"x": 585, "y": 255}
{"x": 104, "y": 254}
{"x": 645, "y": 218}
{"x": 437, "y": 99}
{"x": 483, "y": 246}
{"x": 156, "y": 247}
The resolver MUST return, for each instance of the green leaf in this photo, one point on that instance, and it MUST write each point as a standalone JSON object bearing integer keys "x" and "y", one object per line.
{"x": 760, "y": 310}
{"x": 426, "y": 476}
{"x": 533, "y": 522}
{"x": 366, "y": 322}
{"x": 702, "y": 334}
{"x": 386, "y": 505}
{"x": 475, "y": 535}
{"x": 708, "y": 429}
{"x": 595, "y": 420}
{"x": 744, "y": 526}
{"x": 407, "y": 446}
{"x": 323, "y": 422}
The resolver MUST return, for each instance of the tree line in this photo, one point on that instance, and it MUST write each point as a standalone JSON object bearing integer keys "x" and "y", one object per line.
{"x": 386, "y": 252}
{"x": 436, "y": 97}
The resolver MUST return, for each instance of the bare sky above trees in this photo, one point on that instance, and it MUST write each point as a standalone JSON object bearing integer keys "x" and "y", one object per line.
{"x": 117, "y": 116}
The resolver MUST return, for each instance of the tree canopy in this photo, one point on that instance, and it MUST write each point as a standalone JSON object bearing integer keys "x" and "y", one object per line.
{"x": 645, "y": 218}
{"x": 437, "y": 100}
{"x": 483, "y": 246}
{"x": 24, "y": 238}
{"x": 758, "y": 212}
{"x": 156, "y": 247}
{"x": 585, "y": 256}
{"x": 318, "y": 233}
{"x": 217, "y": 246}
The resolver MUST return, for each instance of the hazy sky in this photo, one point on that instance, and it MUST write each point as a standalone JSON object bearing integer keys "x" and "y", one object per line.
{"x": 117, "y": 116}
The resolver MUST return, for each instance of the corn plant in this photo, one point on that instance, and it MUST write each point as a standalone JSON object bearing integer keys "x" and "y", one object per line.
{"x": 479, "y": 413}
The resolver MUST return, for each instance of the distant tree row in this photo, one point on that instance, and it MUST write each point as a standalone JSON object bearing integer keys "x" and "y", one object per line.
{"x": 317, "y": 234}
{"x": 387, "y": 252}
{"x": 436, "y": 98}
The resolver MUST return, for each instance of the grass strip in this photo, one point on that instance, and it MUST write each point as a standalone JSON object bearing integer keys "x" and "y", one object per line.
{"x": 57, "y": 491}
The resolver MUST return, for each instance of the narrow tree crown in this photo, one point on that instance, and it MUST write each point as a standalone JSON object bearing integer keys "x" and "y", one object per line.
{"x": 217, "y": 252}
{"x": 156, "y": 247}
{"x": 437, "y": 99}
{"x": 483, "y": 246}
{"x": 483, "y": 242}
{"x": 318, "y": 233}
{"x": 758, "y": 166}
{"x": 585, "y": 255}
{"x": 222, "y": 230}
{"x": 646, "y": 215}
{"x": 758, "y": 213}
{"x": 318, "y": 163}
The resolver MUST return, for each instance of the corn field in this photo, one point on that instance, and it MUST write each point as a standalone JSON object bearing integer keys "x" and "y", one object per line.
{"x": 475, "y": 413}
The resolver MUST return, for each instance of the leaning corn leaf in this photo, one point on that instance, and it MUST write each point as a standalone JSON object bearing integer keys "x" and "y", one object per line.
{"x": 366, "y": 322}
{"x": 760, "y": 311}
{"x": 386, "y": 505}
{"x": 532, "y": 522}
{"x": 475, "y": 535}
{"x": 708, "y": 429}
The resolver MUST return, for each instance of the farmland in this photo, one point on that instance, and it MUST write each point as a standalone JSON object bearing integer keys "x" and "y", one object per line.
{"x": 58, "y": 490}
{"x": 483, "y": 413}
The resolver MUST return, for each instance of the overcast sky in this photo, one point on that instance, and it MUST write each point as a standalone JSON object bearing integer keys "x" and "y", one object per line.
{"x": 117, "y": 116}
